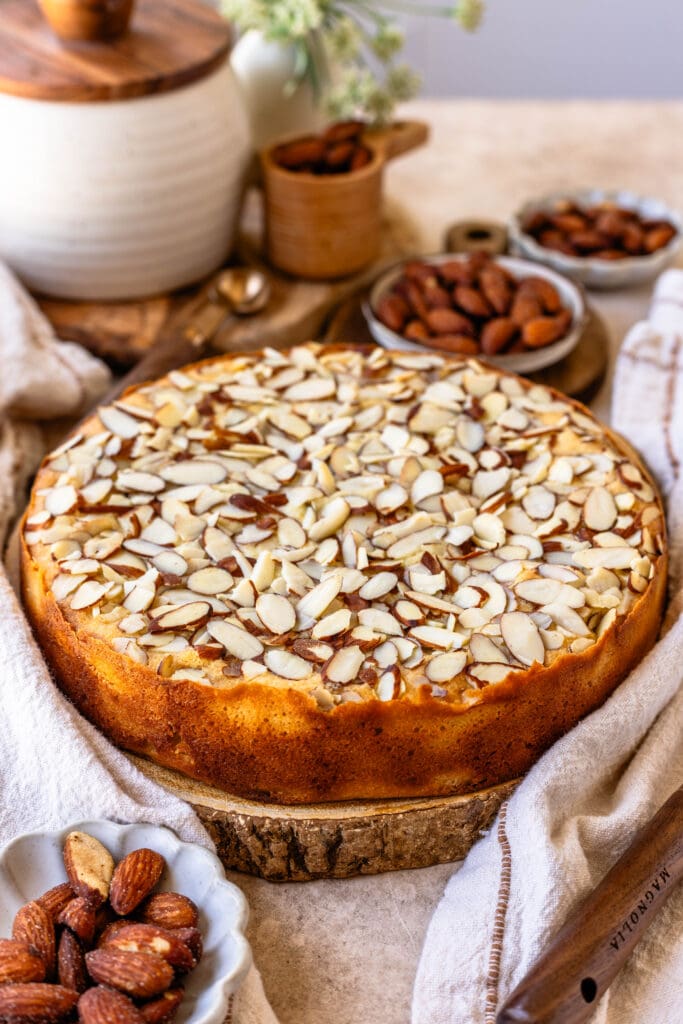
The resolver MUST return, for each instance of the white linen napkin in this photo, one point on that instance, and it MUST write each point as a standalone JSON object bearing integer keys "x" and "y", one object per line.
{"x": 55, "y": 768}
{"x": 579, "y": 807}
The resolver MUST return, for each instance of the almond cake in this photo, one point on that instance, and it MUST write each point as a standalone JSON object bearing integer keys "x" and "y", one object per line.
{"x": 337, "y": 572}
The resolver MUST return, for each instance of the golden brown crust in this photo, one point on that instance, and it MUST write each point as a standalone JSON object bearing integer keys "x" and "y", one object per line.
{"x": 273, "y": 742}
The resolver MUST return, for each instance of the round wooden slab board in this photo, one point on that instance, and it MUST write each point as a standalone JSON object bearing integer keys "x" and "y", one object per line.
{"x": 336, "y": 840}
{"x": 579, "y": 375}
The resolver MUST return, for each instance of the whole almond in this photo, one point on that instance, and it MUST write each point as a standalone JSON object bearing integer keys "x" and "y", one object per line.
{"x": 569, "y": 222}
{"x": 496, "y": 334}
{"x": 658, "y": 237}
{"x": 294, "y": 156}
{"x": 449, "y": 321}
{"x": 89, "y": 866}
{"x": 19, "y": 963}
{"x": 55, "y": 899}
{"x": 192, "y": 937}
{"x": 71, "y": 963}
{"x": 457, "y": 272}
{"x": 139, "y": 937}
{"x": 338, "y": 156}
{"x": 393, "y": 311}
{"x": 436, "y": 297}
{"x": 415, "y": 299}
{"x": 588, "y": 240}
{"x": 140, "y": 975}
{"x": 102, "y": 1005}
{"x": 543, "y": 291}
{"x": 81, "y": 917}
{"x": 462, "y": 344}
{"x": 525, "y": 307}
{"x": 496, "y": 288}
{"x": 110, "y": 930}
{"x": 415, "y": 330}
{"x": 169, "y": 910}
{"x": 35, "y": 1003}
{"x": 161, "y": 1010}
{"x": 34, "y": 926}
{"x": 542, "y": 331}
{"x": 472, "y": 301}
{"x": 134, "y": 878}
{"x": 344, "y": 131}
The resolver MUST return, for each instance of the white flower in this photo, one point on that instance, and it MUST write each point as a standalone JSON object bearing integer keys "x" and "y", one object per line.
{"x": 343, "y": 40}
{"x": 387, "y": 41}
{"x": 469, "y": 13}
{"x": 284, "y": 20}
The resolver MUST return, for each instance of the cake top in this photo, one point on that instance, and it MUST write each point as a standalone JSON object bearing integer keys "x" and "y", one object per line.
{"x": 356, "y": 524}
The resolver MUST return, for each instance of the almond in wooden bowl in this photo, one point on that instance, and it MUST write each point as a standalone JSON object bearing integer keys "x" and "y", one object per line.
{"x": 602, "y": 239}
{"x": 508, "y": 311}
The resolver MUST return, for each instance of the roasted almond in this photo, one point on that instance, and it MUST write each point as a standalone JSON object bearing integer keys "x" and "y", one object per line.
{"x": 460, "y": 343}
{"x": 19, "y": 963}
{"x": 542, "y": 330}
{"x": 542, "y": 290}
{"x": 55, "y": 899}
{"x": 163, "y": 1009}
{"x": 525, "y": 307}
{"x": 299, "y": 153}
{"x": 192, "y": 937}
{"x": 393, "y": 311}
{"x": 101, "y": 1005}
{"x": 496, "y": 288}
{"x": 89, "y": 866}
{"x": 139, "y": 937}
{"x": 140, "y": 975}
{"x": 71, "y": 963}
{"x": 496, "y": 334}
{"x": 35, "y": 1003}
{"x": 170, "y": 909}
{"x": 134, "y": 878}
{"x": 81, "y": 917}
{"x": 449, "y": 321}
{"x": 472, "y": 301}
{"x": 34, "y": 926}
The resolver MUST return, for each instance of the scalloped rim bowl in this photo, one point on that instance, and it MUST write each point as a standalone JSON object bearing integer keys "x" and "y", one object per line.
{"x": 518, "y": 362}
{"x": 592, "y": 272}
{"x": 32, "y": 863}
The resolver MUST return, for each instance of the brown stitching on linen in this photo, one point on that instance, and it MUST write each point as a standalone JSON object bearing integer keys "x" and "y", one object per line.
{"x": 669, "y": 398}
{"x": 648, "y": 361}
{"x": 229, "y": 1019}
{"x": 495, "y": 953}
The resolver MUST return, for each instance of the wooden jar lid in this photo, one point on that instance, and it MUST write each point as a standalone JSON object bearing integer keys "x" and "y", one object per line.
{"x": 170, "y": 43}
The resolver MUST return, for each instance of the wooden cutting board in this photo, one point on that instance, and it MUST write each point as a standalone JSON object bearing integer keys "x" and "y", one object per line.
{"x": 301, "y": 843}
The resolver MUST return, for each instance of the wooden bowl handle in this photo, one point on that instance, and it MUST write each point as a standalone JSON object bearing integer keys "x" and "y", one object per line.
{"x": 399, "y": 137}
{"x": 566, "y": 983}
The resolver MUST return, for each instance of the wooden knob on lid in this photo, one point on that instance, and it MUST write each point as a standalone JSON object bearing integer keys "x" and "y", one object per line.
{"x": 88, "y": 20}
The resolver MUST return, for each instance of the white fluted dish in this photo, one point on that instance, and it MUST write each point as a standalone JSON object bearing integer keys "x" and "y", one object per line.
{"x": 122, "y": 199}
{"x": 513, "y": 362}
{"x": 33, "y": 862}
{"x": 589, "y": 270}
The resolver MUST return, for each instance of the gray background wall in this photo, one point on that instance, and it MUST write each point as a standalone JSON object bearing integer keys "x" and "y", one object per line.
{"x": 554, "y": 48}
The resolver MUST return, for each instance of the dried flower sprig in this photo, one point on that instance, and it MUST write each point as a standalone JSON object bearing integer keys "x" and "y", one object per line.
{"x": 359, "y": 36}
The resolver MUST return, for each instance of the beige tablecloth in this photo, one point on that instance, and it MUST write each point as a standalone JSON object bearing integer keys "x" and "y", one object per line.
{"x": 346, "y": 952}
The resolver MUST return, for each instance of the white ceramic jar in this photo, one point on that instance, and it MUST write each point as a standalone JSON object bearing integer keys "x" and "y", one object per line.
{"x": 122, "y": 199}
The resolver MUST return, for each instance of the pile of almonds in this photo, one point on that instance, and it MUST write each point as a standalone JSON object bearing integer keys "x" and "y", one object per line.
{"x": 605, "y": 231}
{"x": 356, "y": 524}
{"x": 337, "y": 151}
{"x": 102, "y": 945}
{"x": 473, "y": 306}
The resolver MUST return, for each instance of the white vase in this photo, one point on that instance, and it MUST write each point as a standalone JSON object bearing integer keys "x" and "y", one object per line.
{"x": 265, "y": 70}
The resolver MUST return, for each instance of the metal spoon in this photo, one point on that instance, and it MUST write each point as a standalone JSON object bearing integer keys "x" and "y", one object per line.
{"x": 238, "y": 291}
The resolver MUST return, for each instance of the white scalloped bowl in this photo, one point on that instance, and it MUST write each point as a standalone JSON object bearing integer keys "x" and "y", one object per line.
{"x": 515, "y": 362}
{"x": 32, "y": 863}
{"x": 588, "y": 270}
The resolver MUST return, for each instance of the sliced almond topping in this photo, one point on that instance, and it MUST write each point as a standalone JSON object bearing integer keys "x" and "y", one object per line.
{"x": 345, "y": 665}
{"x": 316, "y": 601}
{"x": 388, "y": 686}
{"x": 183, "y": 615}
{"x": 312, "y": 651}
{"x": 59, "y": 500}
{"x": 237, "y": 641}
{"x": 380, "y": 621}
{"x": 276, "y": 613}
{"x": 408, "y": 613}
{"x": 194, "y": 471}
{"x": 567, "y": 618}
{"x": 539, "y": 502}
{"x": 379, "y": 585}
{"x": 291, "y": 534}
{"x": 599, "y": 511}
{"x": 217, "y": 544}
{"x": 170, "y": 563}
{"x": 120, "y": 423}
{"x": 606, "y": 558}
{"x": 488, "y": 673}
{"x": 489, "y": 481}
{"x": 522, "y": 638}
{"x": 211, "y": 580}
{"x": 390, "y": 498}
{"x": 88, "y": 593}
{"x": 445, "y": 667}
{"x": 483, "y": 649}
{"x": 335, "y": 514}
{"x": 287, "y": 665}
{"x": 331, "y": 625}
{"x": 436, "y": 636}
{"x": 426, "y": 485}
{"x": 133, "y": 480}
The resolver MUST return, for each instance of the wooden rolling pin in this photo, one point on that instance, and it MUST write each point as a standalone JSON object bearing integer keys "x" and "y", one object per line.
{"x": 582, "y": 961}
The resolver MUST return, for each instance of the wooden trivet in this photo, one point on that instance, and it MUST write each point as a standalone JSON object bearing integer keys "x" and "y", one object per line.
{"x": 579, "y": 375}
{"x": 335, "y": 840}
